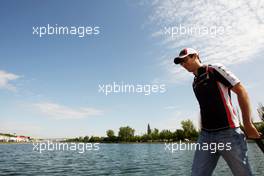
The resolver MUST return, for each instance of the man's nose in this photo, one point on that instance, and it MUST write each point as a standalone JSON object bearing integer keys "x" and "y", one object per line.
{"x": 182, "y": 63}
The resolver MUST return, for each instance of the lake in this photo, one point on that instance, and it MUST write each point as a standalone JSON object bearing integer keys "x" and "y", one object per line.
{"x": 110, "y": 159}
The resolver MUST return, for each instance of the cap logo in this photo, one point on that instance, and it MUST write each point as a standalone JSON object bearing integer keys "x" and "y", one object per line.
{"x": 183, "y": 52}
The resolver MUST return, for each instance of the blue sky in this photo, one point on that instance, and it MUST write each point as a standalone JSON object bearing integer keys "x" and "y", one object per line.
{"x": 49, "y": 85}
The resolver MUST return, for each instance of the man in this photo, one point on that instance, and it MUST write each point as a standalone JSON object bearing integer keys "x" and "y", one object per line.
{"x": 219, "y": 122}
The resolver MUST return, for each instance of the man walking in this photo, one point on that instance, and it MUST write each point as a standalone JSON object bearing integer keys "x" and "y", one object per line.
{"x": 212, "y": 86}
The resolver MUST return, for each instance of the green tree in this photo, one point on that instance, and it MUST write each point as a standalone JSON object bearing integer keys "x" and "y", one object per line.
{"x": 149, "y": 130}
{"x": 144, "y": 138}
{"x": 261, "y": 111}
{"x": 178, "y": 135}
{"x": 189, "y": 129}
{"x": 137, "y": 138}
{"x": 110, "y": 133}
{"x": 110, "y": 136}
{"x": 86, "y": 139}
{"x": 80, "y": 139}
{"x": 166, "y": 135}
{"x": 261, "y": 128}
{"x": 155, "y": 134}
{"x": 95, "y": 139}
{"x": 126, "y": 134}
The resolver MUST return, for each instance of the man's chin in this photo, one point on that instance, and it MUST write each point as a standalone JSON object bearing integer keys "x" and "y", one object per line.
{"x": 189, "y": 70}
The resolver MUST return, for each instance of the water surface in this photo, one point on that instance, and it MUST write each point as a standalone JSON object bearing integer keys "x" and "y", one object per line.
{"x": 110, "y": 159}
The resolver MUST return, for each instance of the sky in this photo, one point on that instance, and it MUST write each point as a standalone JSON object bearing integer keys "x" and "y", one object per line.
{"x": 50, "y": 85}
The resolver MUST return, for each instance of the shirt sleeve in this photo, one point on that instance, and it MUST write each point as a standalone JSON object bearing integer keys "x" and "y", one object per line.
{"x": 223, "y": 75}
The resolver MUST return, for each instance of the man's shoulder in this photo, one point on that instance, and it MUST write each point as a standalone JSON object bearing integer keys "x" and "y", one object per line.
{"x": 217, "y": 66}
{"x": 224, "y": 74}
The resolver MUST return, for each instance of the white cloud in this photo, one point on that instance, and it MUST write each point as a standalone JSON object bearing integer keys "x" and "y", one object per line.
{"x": 57, "y": 111}
{"x": 5, "y": 79}
{"x": 242, "y": 20}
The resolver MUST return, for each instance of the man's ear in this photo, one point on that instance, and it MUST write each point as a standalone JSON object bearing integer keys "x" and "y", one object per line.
{"x": 196, "y": 56}
{"x": 191, "y": 56}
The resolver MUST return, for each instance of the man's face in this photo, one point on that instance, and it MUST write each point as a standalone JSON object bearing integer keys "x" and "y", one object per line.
{"x": 188, "y": 63}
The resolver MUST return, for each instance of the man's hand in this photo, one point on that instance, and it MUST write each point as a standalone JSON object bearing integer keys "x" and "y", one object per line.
{"x": 251, "y": 131}
{"x": 243, "y": 100}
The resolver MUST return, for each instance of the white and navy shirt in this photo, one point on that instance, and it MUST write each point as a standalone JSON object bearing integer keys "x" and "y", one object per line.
{"x": 212, "y": 86}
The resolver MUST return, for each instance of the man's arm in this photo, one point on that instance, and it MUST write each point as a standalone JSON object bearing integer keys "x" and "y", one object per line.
{"x": 244, "y": 103}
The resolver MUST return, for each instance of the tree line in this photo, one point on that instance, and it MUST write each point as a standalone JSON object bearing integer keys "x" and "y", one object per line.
{"x": 127, "y": 134}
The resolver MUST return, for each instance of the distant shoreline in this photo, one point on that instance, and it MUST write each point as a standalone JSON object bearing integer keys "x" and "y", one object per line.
{"x": 16, "y": 142}
{"x": 248, "y": 141}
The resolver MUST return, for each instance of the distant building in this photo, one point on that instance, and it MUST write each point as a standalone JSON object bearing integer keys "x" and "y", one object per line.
{"x": 6, "y": 138}
{"x": 22, "y": 139}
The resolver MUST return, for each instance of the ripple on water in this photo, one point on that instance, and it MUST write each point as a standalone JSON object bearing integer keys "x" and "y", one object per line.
{"x": 111, "y": 159}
